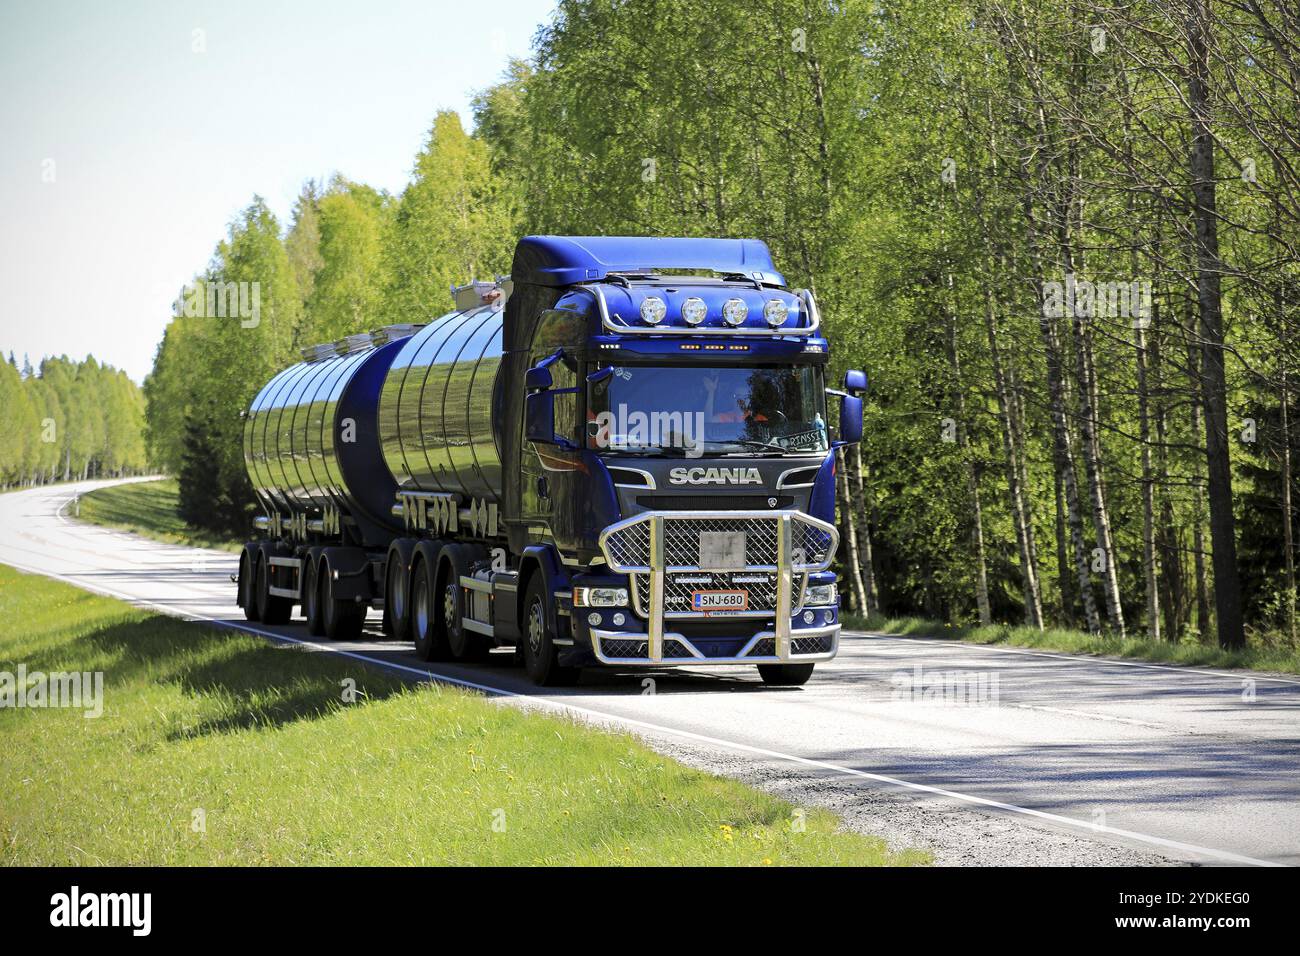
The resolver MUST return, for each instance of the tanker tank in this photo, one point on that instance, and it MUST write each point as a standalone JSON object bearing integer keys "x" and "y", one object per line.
{"x": 311, "y": 437}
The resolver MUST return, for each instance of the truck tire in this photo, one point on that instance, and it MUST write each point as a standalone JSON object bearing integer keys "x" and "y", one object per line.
{"x": 541, "y": 657}
{"x": 462, "y": 645}
{"x": 270, "y": 608}
{"x": 430, "y": 639}
{"x": 311, "y": 603}
{"x": 341, "y": 618}
{"x": 397, "y": 602}
{"x": 247, "y": 582}
{"x": 785, "y": 675}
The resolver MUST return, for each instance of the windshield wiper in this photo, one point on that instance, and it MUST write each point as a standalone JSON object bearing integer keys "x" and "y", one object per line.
{"x": 755, "y": 443}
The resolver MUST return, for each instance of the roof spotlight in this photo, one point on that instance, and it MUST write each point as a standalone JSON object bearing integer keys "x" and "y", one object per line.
{"x": 734, "y": 312}
{"x": 775, "y": 311}
{"x": 653, "y": 310}
{"x": 694, "y": 310}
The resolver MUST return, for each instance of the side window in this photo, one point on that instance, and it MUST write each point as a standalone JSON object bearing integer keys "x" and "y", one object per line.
{"x": 560, "y": 329}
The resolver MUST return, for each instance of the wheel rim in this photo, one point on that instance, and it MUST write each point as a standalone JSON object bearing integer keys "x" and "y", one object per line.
{"x": 421, "y": 608}
{"x": 449, "y": 608}
{"x": 536, "y": 628}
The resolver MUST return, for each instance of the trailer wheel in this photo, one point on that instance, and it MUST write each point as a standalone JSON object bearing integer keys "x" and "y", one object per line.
{"x": 540, "y": 653}
{"x": 430, "y": 639}
{"x": 247, "y": 582}
{"x": 785, "y": 675}
{"x": 311, "y": 602}
{"x": 397, "y": 613}
{"x": 270, "y": 608}
{"x": 341, "y": 618}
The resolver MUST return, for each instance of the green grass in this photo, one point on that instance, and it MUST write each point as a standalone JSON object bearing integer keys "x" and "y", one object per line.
{"x": 147, "y": 508}
{"x": 1260, "y": 654}
{"x": 258, "y": 738}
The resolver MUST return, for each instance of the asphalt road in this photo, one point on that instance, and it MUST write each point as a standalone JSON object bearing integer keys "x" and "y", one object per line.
{"x": 982, "y": 755}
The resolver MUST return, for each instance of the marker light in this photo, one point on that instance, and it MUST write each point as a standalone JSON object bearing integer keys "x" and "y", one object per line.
{"x": 775, "y": 311}
{"x": 619, "y": 619}
{"x": 594, "y": 619}
{"x": 734, "y": 312}
{"x": 694, "y": 310}
{"x": 653, "y": 310}
{"x": 809, "y": 617}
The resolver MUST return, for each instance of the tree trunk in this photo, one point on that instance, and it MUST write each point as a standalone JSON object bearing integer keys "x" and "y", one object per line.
{"x": 864, "y": 531}
{"x": 1148, "y": 486}
{"x": 848, "y": 521}
{"x": 1214, "y": 390}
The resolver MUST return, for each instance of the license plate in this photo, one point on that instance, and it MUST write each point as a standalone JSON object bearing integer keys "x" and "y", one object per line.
{"x": 712, "y": 601}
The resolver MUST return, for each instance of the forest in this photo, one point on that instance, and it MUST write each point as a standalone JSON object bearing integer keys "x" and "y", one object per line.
{"x": 68, "y": 420}
{"x": 1060, "y": 237}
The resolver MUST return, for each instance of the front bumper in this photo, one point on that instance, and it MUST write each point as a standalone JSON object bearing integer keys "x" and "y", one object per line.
{"x": 806, "y": 645}
{"x": 654, "y": 546}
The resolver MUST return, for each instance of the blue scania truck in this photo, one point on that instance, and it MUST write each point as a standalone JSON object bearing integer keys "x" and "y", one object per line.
{"x": 618, "y": 456}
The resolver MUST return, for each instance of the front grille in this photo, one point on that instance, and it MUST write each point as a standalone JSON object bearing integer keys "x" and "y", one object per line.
{"x": 714, "y": 502}
{"x": 679, "y": 585}
{"x": 627, "y": 545}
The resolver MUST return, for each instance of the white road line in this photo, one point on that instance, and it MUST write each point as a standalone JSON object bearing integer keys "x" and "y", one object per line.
{"x": 1186, "y": 848}
{"x": 952, "y": 643}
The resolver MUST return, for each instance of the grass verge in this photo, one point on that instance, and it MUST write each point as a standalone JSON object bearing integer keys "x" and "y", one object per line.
{"x": 1258, "y": 656}
{"x": 147, "y": 508}
{"x": 216, "y": 747}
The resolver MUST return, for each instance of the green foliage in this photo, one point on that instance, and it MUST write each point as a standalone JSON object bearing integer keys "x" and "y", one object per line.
{"x": 69, "y": 420}
{"x": 230, "y": 725}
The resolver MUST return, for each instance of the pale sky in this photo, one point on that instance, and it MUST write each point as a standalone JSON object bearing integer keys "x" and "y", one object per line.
{"x": 153, "y": 145}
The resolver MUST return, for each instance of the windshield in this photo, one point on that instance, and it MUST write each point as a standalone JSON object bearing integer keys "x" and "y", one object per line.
{"x": 640, "y": 409}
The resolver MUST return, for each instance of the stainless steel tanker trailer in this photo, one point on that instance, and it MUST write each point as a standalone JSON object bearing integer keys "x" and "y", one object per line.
{"x": 620, "y": 456}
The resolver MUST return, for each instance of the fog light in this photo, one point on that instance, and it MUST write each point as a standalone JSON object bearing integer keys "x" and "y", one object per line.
{"x": 594, "y": 619}
{"x": 829, "y": 617}
{"x": 619, "y": 619}
{"x": 809, "y": 617}
{"x": 653, "y": 310}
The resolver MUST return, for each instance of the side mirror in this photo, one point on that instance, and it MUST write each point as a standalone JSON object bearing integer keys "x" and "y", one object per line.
{"x": 539, "y": 415}
{"x": 855, "y": 381}
{"x": 538, "y": 377}
{"x": 850, "y": 419}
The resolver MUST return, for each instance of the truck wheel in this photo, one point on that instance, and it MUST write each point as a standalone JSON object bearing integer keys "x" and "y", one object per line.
{"x": 785, "y": 675}
{"x": 540, "y": 652}
{"x": 341, "y": 618}
{"x": 397, "y": 610}
{"x": 311, "y": 603}
{"x": 426, "y": 631}
{"x": 463, "y": 645}
{"x": 247, "y": 582}
{"x": 270, "y": 609}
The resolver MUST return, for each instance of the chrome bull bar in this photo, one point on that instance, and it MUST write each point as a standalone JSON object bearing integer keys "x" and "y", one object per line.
{"x": 658, "y": 543}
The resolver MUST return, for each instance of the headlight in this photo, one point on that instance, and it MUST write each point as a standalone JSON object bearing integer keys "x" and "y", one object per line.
{"x": 653, "y": 310}
{"x": 694, "y": 310}
{"x": 734, "y": 311}
{"x": 816, "y": 595}
{"x": 600, "y": 597}
{"x": 775, "y": 311}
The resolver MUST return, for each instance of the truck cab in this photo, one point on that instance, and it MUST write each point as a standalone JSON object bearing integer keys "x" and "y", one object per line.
{"x": 676, "y": 452}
